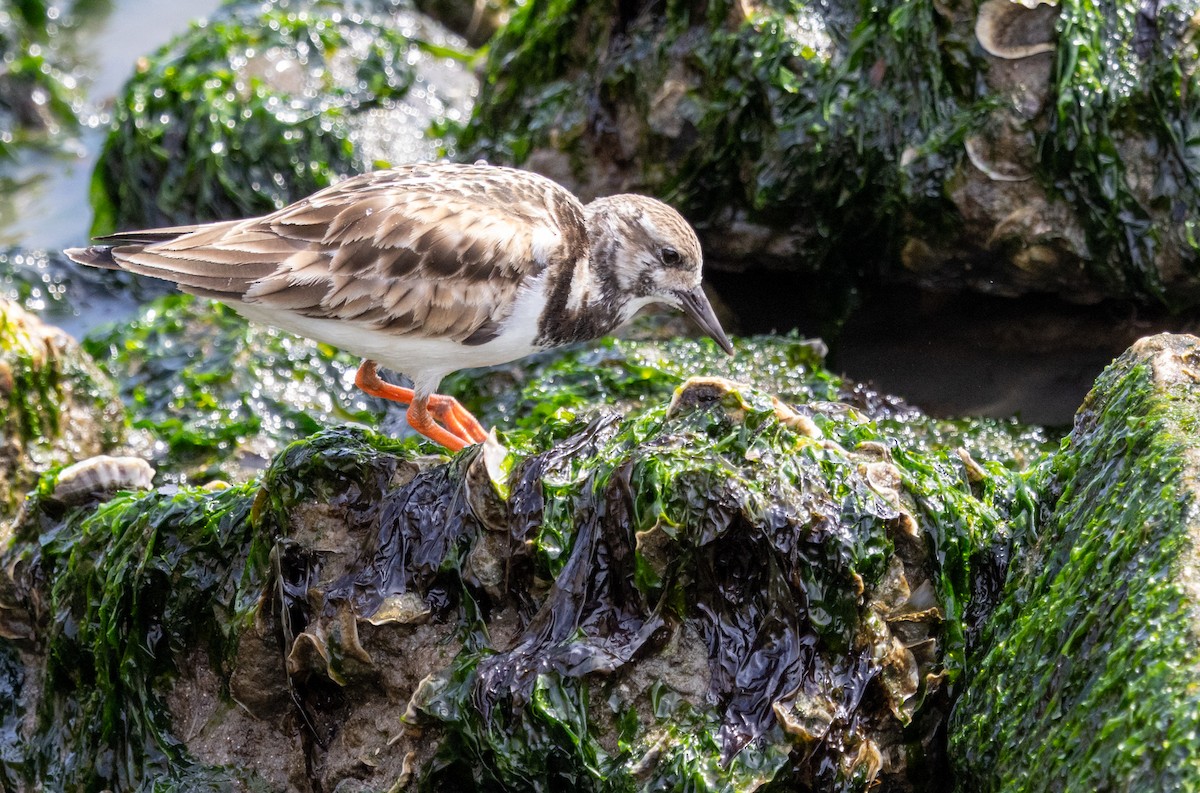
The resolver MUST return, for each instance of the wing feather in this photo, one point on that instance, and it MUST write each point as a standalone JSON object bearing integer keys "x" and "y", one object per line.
{"x": 428, "y": 249}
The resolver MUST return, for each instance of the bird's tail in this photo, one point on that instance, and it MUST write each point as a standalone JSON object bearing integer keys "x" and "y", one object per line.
{"x": 94, "y": 256}
{"x": 128, "y": 241}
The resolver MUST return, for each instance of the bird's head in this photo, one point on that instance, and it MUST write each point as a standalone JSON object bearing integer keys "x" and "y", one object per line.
{"x": 651, "y": 255}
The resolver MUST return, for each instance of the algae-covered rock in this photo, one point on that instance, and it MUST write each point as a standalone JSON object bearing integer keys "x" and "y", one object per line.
{"x": 56, "y": 406}
{"x": 1003, "y": 146}
{"x": 104, "y": 605}
{"x": 547, "y": 393}
{"x": 1086, "y": 676}
{"x": 717, "y": 590}
{"x": 264, "y": 103}
{"x": 221, "y": 396}
{"x": 37, "y": 99}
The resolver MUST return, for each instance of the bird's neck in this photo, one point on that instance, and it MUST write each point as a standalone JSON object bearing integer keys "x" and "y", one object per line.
{"x": 583, "y": 299}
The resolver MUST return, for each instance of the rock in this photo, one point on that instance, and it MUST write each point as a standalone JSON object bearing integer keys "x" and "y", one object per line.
{"x": 219, "y": 396}
{"x": 57, "y": 407}
{"x": 263, "y": 104}
{"x": 1085, "y": 676}
{"x": 38, "y": 99}
{"x": 714, "y": 584}
{"x": 933, "y": 144}
{"x": 476, "y": 21}
{"x": 74, "y": 298}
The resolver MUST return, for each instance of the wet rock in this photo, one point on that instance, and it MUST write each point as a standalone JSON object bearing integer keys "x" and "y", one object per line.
{"x": 76, "y": 299}
{"x": 1085, "y": 678}
{"x": 219, "y": 397}
{"x": 936, "y": 144}
{"x": 38, "y": 98}
{"x": 136, "y": 607}
{"x": 476, "y": 21}
{"x": 57, "y": 407}
{"x": 715, "y": 583}
{"x": 264, "y": 103}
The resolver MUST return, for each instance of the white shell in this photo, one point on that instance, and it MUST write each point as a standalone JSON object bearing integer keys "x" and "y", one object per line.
{"x": 100, "y": 475}
{"x": 997, "y": 18}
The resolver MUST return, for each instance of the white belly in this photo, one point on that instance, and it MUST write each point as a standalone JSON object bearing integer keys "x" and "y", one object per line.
{"x": 426, "y": 360}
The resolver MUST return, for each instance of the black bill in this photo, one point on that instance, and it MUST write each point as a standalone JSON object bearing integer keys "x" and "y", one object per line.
{"x": 696, "y": 305}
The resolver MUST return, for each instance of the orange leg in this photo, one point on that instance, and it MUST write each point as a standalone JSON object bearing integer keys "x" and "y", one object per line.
{"x": 461, "y": 428}
{"x": 450, "y": 412}
{"x": 420, "y": 420}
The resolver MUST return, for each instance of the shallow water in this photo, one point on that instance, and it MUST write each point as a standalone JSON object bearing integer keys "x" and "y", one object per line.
{"x": 44, "y": 195}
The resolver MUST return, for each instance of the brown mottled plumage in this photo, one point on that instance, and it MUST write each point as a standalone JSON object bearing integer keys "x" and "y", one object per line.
{"x": 428, "y": 268}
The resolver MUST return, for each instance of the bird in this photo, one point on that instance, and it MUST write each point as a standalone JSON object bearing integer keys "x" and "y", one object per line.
{"x": 428, "y": 268}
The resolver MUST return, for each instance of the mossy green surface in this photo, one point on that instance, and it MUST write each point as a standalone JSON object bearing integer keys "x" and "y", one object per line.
{"x": 218, "y": 394}
{"x": 1122, "y": 69}
{"x": 844, "y": 123}
{"x": 214, "y": 390}
{"x": 38, "y": 100}
{"x": 211, "y": 129}
{"x": 547, "y": 393}
{"x": 55, "y": 405}
{"x": 130, "y": 588}
{"x": 1085, "y": 678}
{"x": 766, "y": 539}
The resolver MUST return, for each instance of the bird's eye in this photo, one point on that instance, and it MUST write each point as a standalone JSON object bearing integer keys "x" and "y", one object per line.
{"x": 669, "y": 256}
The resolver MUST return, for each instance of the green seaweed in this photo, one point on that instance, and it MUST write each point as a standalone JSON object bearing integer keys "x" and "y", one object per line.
{"x": 1084, "y": 676}
{"x": 552, "y": 392}
{"x": 38, "y": 99}
{"x": 33, "y": 400}
{"x": 216, "y": 391}
{"x": 131, "y": 587}
{"x": 200, "y": 134}
{"x": 1120, "y": 70}
{"x": 56, "y": 405}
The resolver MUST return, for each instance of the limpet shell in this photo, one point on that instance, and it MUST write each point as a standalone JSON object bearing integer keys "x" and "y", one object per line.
{"x": 102, "y": 475}
{"x": 1011, "y": 30}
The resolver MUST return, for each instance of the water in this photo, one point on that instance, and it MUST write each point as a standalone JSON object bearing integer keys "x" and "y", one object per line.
{"x": 44, "y": 194}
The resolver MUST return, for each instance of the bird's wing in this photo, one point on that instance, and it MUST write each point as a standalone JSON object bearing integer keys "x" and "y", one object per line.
{"x": 431, "y": 250}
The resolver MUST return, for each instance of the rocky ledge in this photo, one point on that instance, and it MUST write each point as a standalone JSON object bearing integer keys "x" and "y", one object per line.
{"x": 679, "y": 571}
{"x": 656, "y": 579}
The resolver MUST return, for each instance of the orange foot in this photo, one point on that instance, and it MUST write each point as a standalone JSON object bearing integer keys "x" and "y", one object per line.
{"x": 460, "y": 428}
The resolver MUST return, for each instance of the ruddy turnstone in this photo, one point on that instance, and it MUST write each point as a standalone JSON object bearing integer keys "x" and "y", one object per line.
{"x": 430, "y": 268}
